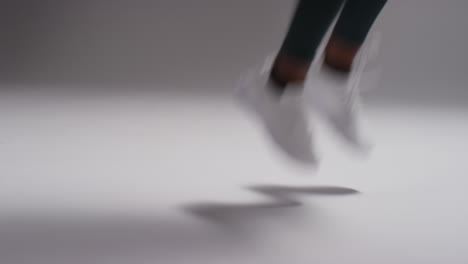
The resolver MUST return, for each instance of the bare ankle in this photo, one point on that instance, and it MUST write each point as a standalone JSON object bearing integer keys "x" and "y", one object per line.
{"x": 340, "y": 54}
{"x": 287, "y": 69}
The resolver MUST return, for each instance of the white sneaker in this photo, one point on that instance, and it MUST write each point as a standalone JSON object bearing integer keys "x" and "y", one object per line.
{"x": 281, "y": 115}
{"x": 335, "y": 98}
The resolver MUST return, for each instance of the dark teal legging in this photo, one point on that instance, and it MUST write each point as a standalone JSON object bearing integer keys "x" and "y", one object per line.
{"x": 312, "y": 19}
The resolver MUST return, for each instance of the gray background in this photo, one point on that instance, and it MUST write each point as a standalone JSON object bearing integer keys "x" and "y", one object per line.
{"x": 154, "y": 163}
{"x": 202, "y": 46}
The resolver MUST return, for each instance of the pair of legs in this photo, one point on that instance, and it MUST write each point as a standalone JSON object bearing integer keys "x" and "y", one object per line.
{"x": 309, "y": 25}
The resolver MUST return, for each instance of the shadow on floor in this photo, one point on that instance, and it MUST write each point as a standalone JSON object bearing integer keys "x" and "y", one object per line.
{"x": 153, "y": 238}
{"x": 282, "y": 202}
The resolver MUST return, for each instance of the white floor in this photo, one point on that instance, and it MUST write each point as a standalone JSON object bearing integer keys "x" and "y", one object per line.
{"x": 168, "y": 179}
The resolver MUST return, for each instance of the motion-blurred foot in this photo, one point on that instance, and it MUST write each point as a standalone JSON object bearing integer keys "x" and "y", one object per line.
{"x": 280, "y": 113}
{"x": 333, "y": 94}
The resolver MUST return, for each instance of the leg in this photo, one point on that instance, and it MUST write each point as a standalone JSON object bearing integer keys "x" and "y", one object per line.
{"x": 332, "y": 90}
{"x": 285, "y": 120}
{"x": 311, "y": 21}
{"x": 353, "y": 25}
